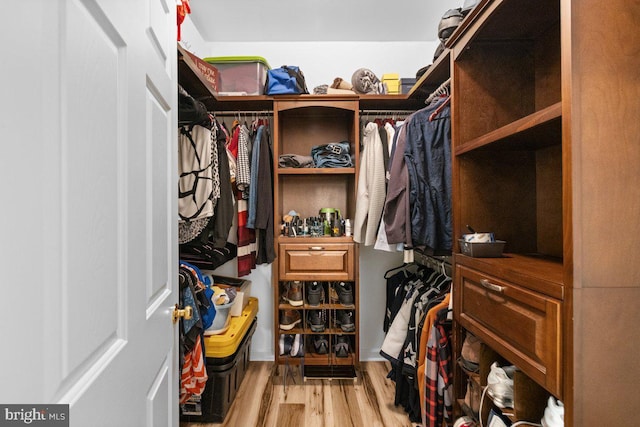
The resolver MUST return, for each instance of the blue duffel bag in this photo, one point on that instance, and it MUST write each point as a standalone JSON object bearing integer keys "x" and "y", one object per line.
{"x": 287, "y": 79}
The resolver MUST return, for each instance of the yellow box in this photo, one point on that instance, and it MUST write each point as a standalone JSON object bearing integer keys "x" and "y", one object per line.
{"x": 226, "y": 344}
{"x": 392, "y": 80}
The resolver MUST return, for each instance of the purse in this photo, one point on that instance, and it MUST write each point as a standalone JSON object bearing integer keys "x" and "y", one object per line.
{"x": 287, "y": 79}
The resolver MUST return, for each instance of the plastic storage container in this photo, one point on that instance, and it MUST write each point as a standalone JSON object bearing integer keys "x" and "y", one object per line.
{"x": 223, "y": 345}
{"x": 240, "y": 75}
{"x": 225, "y": 371}
{"x": 225, "y": 376}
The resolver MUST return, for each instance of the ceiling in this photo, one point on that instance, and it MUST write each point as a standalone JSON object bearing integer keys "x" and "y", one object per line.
{"x": 318, "y": 20}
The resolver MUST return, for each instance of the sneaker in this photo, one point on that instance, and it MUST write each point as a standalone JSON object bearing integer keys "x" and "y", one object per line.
{"x": 345, "y": 294}
{"x": 344, "y": 319}
{"x": 320, "y": 344}
{"x": 553, "y": 413}
{"x": 315, "y": 321}
{"x": 286, "y": 341}
{"x": 500, "y": 385}
{"x": 293, "y": 293}
{"x": 342, "y": 346}
{"x": 289, "y": 319}
{"x": 315, "y": 293}
{"x": 297, "y": 347}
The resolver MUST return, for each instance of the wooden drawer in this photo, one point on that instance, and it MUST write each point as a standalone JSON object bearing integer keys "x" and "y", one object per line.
{"x": 522, "y": 325}
{"x": 316, "y": 261}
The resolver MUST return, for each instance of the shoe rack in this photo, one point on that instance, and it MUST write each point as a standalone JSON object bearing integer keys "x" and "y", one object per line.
{"x": 301, "y": 123}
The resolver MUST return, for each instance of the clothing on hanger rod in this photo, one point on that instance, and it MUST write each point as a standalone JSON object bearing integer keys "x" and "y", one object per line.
{"x": 243, "y": 113}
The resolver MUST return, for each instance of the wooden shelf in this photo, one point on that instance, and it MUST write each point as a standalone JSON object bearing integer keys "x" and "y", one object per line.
{"x": 538, "y": 273}
{"x": 437, "y": 73}
{"x": 316, "y": 171}
{"x": 540, "y": 129}
{"x": 496, "y": 21}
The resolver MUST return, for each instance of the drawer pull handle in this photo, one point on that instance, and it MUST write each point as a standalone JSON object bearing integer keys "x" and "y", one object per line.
{"x": 491, "y": 286}
{"x": 316, "y": 248}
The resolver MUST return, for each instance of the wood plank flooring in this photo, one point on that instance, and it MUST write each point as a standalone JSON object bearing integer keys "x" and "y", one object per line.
{"x": 264, "y": 400}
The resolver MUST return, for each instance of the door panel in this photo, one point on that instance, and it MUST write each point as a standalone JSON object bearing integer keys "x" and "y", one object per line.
{"x": 90, "y": 183}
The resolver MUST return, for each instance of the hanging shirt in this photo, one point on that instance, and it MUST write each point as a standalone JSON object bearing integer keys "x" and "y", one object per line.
{"x": 371, "y": 188}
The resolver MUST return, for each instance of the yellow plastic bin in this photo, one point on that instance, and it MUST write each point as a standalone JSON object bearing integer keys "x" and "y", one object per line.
{"x": 228, "y": 357}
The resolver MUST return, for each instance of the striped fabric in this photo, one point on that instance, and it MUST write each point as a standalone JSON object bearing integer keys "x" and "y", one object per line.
{"x": 194, "y": 376}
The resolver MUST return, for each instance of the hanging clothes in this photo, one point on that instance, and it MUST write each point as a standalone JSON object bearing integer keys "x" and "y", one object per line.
{"x": 397, "y": 211}
{"x": 263, "y": 220}
{"x": 428, "y": 159}
{"x": 371, "y": 188}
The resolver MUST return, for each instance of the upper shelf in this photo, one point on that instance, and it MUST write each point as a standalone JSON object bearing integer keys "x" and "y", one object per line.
{"x": 504, "y": 20}
{"x": 437, "y": 73}
{"x": 537, "y": 130}
{"x": 199, "y": 80}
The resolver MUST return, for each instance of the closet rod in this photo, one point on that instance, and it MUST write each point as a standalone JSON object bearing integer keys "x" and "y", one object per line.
{"x": 387, "y": 111}
{"x": 242, "y": 112}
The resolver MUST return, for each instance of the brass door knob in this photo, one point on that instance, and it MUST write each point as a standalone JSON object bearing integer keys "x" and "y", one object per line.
{"x": 186, "y": 313}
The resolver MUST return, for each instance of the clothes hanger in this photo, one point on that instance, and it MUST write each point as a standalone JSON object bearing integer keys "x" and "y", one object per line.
{"x": 433, "y": 115}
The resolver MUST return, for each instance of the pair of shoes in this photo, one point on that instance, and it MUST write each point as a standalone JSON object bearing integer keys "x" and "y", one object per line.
{"x": 342, "y": 346}
{"x": 344, "y": 319}
{"x": 320, "y": 344}
{"x": 289, "y": 319}
{"x": 342, "y": 293}
{"x": 315, "y": 293}
{"x": 500, "y": 385}
{"x": 553, "y": 413}
{"x": 293, "y": 293}
{"x": 292, "y": 345}
{"x": 315, "y": 320}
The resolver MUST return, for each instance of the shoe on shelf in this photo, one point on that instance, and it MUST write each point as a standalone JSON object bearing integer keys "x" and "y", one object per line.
{"x": 286, "y": 341}
{"x": 297, "y": 347}
{"x": 293, "y": 293}
{"x": 344, "y": 319}
{"x": 289, "y": 319}
{"x": 342, "y": 346}
{"x": 320, "y": 344}
{"x": 500, "y": 385}
{"x": 553, "y": 413}
{"x": 333, "y": 294}
{"x": 315, "y": 320}
{"x": 345, "y": 294}
{"x": 315, "y": 293}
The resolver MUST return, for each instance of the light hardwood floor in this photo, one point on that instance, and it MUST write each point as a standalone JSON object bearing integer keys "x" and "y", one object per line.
{"x": 263, "y": 400}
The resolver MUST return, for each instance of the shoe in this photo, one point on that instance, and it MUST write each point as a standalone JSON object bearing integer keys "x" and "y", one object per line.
{"x": 342, "y": 346}
{"x": 345, "y": 294}
{"x": 315, "y": 293}
{"x": 286, "y": 341}
{"x": 315, "y": 321}
{"x": 289, "y": 319}
{"x": 297, "y": 347}
{"x": 553, "y": 413}
{"x": 320, "y": 344}
{"x": 500, "y": 385}
{"x": 344, "y": 319}
{"x": 293, "y": 293}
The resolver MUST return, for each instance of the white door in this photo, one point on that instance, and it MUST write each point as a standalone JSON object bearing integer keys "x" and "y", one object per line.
{"x": 88, "y": 212}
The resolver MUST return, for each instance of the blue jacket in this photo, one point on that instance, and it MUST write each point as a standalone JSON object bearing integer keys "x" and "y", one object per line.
{"x": 428, "y": 157}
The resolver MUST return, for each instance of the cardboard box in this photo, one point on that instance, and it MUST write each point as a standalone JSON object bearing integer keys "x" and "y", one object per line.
{"x": 392, "y": 80}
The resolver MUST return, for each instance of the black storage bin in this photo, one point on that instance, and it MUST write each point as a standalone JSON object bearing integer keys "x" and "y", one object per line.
{"x": 225, "y": 376}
